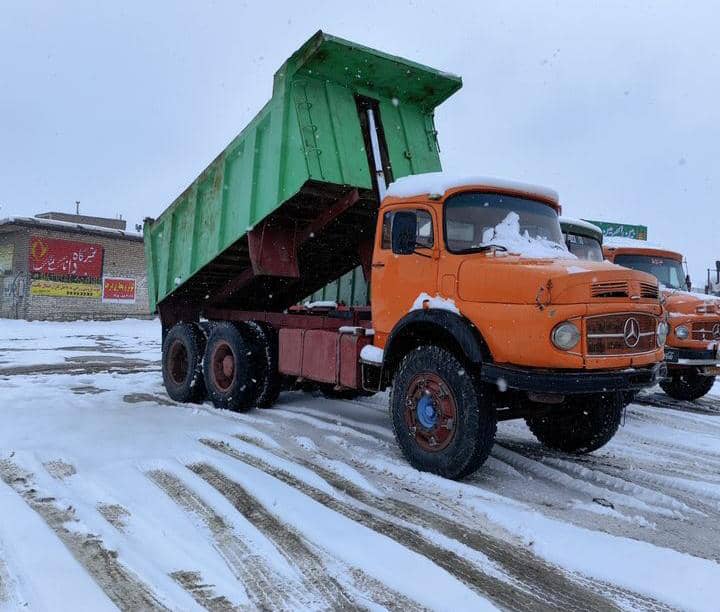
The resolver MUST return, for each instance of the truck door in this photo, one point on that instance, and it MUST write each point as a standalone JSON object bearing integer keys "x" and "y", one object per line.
{"x": 398, "y": 280}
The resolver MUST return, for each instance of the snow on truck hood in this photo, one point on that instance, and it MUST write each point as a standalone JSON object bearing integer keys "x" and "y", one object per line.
{"x": 440, "y": 182}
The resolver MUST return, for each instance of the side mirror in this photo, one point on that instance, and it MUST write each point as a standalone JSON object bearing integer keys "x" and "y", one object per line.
{"x": 404, "y": 232}
{"x": 688, "y": 283}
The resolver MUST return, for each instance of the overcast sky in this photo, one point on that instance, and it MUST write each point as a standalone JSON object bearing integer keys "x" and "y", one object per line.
{"x": 614, "y": 104}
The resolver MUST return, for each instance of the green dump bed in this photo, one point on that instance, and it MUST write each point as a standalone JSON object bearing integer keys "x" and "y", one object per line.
{"x": 290, "y": 204}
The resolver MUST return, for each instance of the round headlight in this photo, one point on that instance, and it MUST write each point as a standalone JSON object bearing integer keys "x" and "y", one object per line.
{"x": 662, "y": 333}
{"x": 682, "y": 332}
{"x": 565, "y": 336}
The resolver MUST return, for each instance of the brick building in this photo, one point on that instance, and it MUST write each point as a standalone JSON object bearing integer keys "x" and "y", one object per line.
{"x": 57, "y": 266}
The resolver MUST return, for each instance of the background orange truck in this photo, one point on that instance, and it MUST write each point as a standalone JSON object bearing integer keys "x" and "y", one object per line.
{"x": 693, "y": 350}
{"x": 479, "y": 313}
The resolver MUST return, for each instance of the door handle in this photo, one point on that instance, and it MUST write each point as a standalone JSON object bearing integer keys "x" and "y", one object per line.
{"x": 378, "y": 264}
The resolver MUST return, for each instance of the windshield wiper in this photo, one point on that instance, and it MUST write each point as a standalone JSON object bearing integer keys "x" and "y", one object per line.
{"x": 483, "y": 248}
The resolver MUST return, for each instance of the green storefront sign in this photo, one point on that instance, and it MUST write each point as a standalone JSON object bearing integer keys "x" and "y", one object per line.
{"x": 624, "y": 230}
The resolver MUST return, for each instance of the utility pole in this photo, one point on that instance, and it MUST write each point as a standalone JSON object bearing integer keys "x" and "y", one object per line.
{"x": 77, "y": 207}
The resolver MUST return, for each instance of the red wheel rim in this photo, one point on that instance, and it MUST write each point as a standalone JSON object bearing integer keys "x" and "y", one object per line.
{"x": 223, "y": 366}
{"x": 430, "y": 412}
{"x": 177, "y": 362}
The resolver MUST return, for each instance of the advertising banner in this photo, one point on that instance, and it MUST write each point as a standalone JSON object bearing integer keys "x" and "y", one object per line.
{"x": 49, "y": 288}
{"x": 118, "y": 290}
{"x": 53, "y": 259}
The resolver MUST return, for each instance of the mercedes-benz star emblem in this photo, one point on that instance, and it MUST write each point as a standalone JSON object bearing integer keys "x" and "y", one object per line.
{"x": 716, "y": 331}
{"x": 631, "y": 332}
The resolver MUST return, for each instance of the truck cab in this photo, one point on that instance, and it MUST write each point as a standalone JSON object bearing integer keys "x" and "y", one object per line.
{"x": 583, "y": 239}
{"x": 472, "y": 275}
{"x": 693, "y": 347}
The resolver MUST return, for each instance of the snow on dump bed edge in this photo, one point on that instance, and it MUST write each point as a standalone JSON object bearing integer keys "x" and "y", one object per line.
{"x": 440, "y": 182}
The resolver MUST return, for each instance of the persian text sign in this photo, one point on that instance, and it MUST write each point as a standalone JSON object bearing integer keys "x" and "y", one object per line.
{"x": 623, "y": 230}
{"x": 52, "y": 258}
{"x": 48, "y": 288}
{"x": 118, "y": 290}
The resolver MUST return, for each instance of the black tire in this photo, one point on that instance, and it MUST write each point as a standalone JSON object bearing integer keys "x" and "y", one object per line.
{"x": 182, "y": 356}
{"x": 264, "y": 339}
{"x": 687, "y": 384}
{"x": 229, "y": 368}
{"x": 582, "y": 425}
{"x": 457, "y": 453}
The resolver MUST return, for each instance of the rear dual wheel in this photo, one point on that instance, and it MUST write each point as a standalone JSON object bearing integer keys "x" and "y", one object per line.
{"x": 241, "y": 366}
{"x": 441, "y": 416}
{"x": 182, "y": 356}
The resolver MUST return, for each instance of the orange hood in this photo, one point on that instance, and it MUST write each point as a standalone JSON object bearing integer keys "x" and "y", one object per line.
{"x": 515, "y": 280}
{"x": 684, "y": 302}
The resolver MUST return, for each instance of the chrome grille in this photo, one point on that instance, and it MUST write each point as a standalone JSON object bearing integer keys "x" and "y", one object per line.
{"x": 608, "y": 334}
{"x": 706, "y": 330}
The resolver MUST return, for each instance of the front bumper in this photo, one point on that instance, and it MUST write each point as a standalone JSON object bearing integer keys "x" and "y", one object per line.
{"x": 572, "y": 383}
{"x": 690, "y": 357}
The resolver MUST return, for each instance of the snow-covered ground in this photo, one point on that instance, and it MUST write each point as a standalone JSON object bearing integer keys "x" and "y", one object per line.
{"x": 112, "y": 495}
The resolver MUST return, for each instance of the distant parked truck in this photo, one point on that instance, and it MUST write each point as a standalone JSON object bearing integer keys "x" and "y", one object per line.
{"x": 582, "y": 238}
{"x": 693, "y": 350}
{"x": 479, "y": 313}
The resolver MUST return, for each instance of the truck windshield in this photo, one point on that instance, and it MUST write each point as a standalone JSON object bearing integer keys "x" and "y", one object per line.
{"x": 584, "y": 247}
{"x": 472, "y": 220}
{"x": 668, "y": 271}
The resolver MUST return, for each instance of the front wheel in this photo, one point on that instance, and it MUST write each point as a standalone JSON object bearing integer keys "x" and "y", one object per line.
{"x": 582, "y": 425}
{"x": 441, "y": 420}
{"x": 687, "y": 384}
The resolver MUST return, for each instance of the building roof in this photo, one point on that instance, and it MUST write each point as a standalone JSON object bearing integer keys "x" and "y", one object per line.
{"x": 79, "y": 228}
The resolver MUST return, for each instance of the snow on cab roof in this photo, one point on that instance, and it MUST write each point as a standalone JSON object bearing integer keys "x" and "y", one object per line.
{"x": 581, "y": 223}
{"x": 618, "y": 242}
{"x": 440, "y": 182}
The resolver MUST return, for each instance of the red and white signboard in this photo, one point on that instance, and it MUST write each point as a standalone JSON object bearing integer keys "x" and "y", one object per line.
{"x": 118, "y": 290}
{"x": 51, "y": 258}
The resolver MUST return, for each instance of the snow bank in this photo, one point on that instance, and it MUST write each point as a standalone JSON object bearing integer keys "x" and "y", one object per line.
{"x": 440, "y": 182}
{"x": 507, "y": 234}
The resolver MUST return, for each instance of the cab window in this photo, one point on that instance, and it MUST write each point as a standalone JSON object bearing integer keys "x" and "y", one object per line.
{"x": 424, "y": 236}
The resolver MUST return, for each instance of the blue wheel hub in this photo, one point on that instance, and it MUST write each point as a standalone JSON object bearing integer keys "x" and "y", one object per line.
{"x": 426, "y": 413}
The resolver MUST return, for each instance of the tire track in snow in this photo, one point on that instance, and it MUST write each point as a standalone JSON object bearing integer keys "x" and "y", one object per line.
{"x": 556, "y": 594}
{"x": 265, "y": 587}
{"x": 287, "y": 540}
{"x": 706, "y": 405}
{"x": 123, "y": 588}
{"x": 669, "y": 503}
{"x": 203, "y": 593}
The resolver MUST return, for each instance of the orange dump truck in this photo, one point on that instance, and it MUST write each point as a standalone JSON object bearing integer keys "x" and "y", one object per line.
{"x": 693, "y": 351}
{"x": 479, "y": 313}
